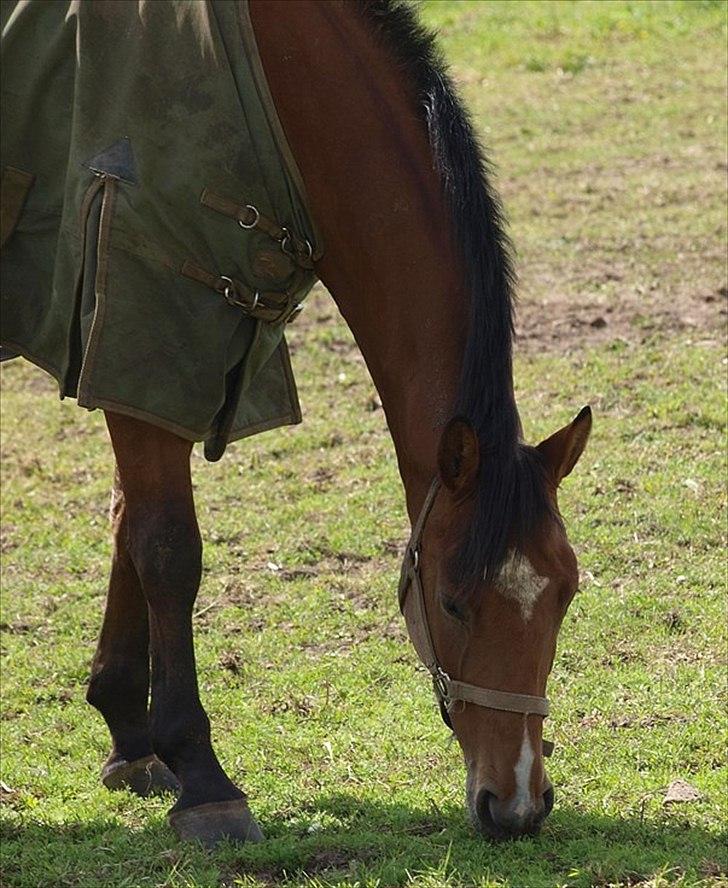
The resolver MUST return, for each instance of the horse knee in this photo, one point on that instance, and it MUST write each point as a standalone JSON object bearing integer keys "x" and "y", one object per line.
{"x": 166, "y": 550}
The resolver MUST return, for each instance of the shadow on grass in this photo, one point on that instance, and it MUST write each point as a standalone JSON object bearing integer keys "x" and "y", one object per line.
{"x": 340, "y": 839}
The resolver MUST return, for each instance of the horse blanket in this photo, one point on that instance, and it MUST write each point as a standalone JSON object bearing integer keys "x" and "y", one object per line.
{"x": 155, "y": 236}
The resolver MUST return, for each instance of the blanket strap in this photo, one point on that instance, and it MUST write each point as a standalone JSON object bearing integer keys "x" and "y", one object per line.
{"x": 247, "y": 216}
{"x": 15, "y": 187}
{"x": 269, "y": 306}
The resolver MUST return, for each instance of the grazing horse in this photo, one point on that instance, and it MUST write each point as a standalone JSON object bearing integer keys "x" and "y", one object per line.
{"x": 417, "y": 261}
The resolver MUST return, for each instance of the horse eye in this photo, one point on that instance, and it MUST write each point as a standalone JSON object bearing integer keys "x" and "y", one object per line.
{"x": 452, "y": 609}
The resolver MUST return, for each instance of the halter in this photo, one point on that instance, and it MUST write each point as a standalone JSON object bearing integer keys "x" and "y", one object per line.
{"x": 448, "y": 691}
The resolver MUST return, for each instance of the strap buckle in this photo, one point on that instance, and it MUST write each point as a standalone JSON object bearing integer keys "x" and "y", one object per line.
{"x": 295, "y": 249}
{"x": 441, "y": 686}
{"x": 292, "y": 313}
{"x": 232, "y": 297}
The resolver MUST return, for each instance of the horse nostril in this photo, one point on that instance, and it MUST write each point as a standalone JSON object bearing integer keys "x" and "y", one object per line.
{"x": 502, "y": 820}
{"x": 548, "y": 801}
{"x": 484, "y": 812}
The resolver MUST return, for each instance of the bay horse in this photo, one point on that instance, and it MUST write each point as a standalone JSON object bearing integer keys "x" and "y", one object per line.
{"x": 420, "y": 267}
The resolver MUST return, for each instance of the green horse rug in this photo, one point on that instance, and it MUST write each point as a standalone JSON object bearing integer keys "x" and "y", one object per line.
{"x": 155, "y": 236}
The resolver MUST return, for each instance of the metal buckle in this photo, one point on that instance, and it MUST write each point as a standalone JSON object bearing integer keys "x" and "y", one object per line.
{"x": 285, "y": 240}
{"x": 256, "y": 217}
{"x": 294, "y": 313}
{"x": 440, "y": 683}
{"x": 289, "y": 247}
{"x": 229, "y": 290}
{"x": 232, "y": 298}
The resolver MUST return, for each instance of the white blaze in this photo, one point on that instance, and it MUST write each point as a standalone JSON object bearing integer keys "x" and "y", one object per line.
{"x": 522, "y": 769}
{"x": 518, "y": 580}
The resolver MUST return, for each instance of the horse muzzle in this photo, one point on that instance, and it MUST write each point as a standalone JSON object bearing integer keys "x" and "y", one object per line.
{"x": 503, "y": 819}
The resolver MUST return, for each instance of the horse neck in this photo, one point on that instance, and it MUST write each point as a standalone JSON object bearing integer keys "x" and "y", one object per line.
{"x": 391, "y": 262}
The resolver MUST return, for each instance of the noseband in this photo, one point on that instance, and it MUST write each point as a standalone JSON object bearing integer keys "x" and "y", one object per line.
{"x": 449, "y": 691}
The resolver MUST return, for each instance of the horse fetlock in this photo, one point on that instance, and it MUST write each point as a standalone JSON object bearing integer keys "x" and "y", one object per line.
{"x": 182, "y": 741}
{"x": 118, "y": 693}
{"x": 121, "y": 698}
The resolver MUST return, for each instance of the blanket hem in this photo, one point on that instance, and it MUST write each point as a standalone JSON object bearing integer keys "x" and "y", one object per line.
{"x": 90, "y": 402}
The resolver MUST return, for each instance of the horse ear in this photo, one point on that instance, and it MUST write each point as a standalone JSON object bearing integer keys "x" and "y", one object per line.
{"x": 458, "y": 455}
{"x": 563, "y": 449}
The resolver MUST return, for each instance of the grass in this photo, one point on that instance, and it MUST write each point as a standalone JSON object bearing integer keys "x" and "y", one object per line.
{"x": 611, "y": 147}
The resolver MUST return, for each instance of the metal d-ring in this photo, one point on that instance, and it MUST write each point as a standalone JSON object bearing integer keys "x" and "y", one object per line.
{"x": 288, "y": 245}
{"x": 232, "y": 298}
{"x": 256, "y": 217}
{"x": 285, "y": 239}
{"x": 229, "y": 288}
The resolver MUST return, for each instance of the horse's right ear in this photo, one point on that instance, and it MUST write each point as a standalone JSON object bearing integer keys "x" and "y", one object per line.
{"x": 458, "y": 455}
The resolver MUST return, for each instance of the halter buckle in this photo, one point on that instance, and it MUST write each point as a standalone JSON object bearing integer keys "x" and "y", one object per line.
{"x": 441, "y": 686}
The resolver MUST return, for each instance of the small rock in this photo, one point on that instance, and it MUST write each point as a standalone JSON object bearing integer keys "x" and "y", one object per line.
{"x": 681, "y": 791}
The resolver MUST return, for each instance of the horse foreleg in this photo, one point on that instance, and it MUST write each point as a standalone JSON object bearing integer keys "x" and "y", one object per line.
{"x": 166, "y": 552}
{"x": 119, "y": 685}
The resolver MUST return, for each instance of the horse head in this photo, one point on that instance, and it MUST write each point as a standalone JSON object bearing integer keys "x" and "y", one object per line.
{"x": 489, "y": 640}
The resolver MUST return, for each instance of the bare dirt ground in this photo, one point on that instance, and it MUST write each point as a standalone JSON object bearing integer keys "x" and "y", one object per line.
{"x": 566, "y": 325}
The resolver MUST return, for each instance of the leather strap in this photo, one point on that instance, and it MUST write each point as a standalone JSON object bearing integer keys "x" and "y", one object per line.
{"x": 270, "y": 306}
{"x": 447, "y": 690}
{"x": 503, "y": 700}
{"x": 248, "y": 216}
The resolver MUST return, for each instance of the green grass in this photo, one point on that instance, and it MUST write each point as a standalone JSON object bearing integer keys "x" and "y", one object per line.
{"x": 319, "y": 707}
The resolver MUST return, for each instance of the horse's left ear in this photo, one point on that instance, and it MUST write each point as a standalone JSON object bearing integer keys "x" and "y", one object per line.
{"x": 563, "y": 449}
{"x": 458, "y": 456}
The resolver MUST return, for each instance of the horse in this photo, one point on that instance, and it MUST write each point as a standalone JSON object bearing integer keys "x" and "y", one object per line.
{"x": 418, "y": 262}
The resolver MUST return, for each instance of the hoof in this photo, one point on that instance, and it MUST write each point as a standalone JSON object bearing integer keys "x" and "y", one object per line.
{"x": 215, "y": 821}
{"x": 144, "y": 776}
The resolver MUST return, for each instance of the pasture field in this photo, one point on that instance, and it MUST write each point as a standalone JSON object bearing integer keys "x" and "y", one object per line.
{"x": 607, "y": 123}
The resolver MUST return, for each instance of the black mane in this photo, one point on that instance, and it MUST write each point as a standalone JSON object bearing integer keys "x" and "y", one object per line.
{"x": 511, "y": 497}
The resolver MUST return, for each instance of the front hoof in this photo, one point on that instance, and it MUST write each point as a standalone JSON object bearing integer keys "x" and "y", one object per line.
{"x": 144, "y": 776}
{"x": 215, "y": 821}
